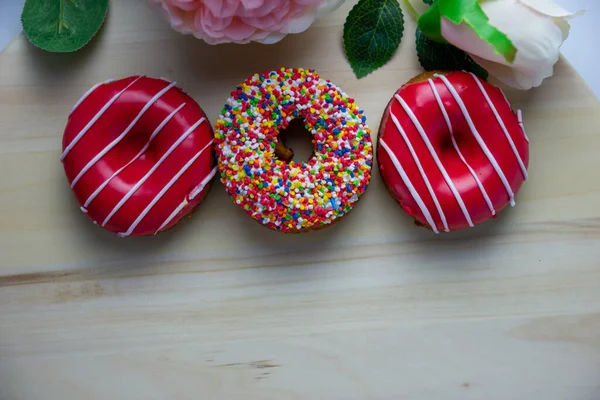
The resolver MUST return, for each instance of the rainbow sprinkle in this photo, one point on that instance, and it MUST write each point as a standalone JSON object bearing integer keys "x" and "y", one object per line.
{"x": 293, "y": 196}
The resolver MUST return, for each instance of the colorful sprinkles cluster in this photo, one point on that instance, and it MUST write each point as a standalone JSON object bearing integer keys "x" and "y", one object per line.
{"x": 293, "y": 196}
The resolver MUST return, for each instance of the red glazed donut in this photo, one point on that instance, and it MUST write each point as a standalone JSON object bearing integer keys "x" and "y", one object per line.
{"x": 451, "y": 150}
{"x": 138, "y": 155}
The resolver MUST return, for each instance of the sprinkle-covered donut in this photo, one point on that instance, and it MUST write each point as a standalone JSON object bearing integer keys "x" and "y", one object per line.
{"x": 451, "y": 150}
{"x": 284, "y": 195}
{"x": 138, "y": 155}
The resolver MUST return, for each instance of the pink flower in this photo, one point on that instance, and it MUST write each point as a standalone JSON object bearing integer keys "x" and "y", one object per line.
{"x": 243, "y": 21}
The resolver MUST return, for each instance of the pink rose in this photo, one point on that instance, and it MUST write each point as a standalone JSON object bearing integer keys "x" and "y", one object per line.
{"x": 243, "y": 21}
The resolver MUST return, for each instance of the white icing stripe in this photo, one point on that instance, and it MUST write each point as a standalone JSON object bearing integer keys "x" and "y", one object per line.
{"x": 478, "y": 137}
{"x": 460, "y": 155}
{"x": 96, "y": 118}
{"x": 203, "y": 184}
{"x": 436, "y": 94}
{"x": 436, "y": 158}
{"x": 421, "y": 171}
{"x": 138, "y": 155}
{"x": 176, "y": 211}
{"x": 505, "y": 99}
{"x": 520, "y": 118}
{"x": 112, "y": 144}
{"x": 185, "y": 202}
{"x": 163, "y": 191}
{"x": 409, "y": 185}
{"x": 86, "y": 94}
{"x": 152, "y": 170}
{"x": 502, "y": 125}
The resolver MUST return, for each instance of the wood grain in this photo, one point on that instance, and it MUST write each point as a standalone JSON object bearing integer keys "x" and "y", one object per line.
{"x": 222, "y": 308}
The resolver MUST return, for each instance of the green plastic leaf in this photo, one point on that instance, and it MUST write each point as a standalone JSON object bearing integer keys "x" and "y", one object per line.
{"x": 467, "y": 12}
{"x": 62, "y": 25}
{"x": 439, "y": 56}
{"x": 372, "y": 34}
{"x": 430, "y": 23}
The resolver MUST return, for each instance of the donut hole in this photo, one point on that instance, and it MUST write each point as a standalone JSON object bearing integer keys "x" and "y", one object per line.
{"x": 449, "y": 156}
{"x": 131, "y": 145}
{"x": 446, "y": 145}
{"x": 294, "y": 142}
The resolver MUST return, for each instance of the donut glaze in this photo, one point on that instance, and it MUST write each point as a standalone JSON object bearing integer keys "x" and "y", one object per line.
{"x": 451, "y": 150}
{"x": 293, "y": 196}
{"x": 138, "y": 155}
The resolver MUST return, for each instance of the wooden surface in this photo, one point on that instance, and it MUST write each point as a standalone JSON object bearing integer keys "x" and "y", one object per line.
{"x": 222, "y": 308}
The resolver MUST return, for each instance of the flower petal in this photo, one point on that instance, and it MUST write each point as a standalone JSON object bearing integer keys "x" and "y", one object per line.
{"x": 252, "y": 4}
{"x": 329, "y": 6}
{"x": 243, "y": 21}
{"x": 302, "y": 22}
{"x": 537, "y": 38}
{"x": 548, "y": 7}
{"x": 272, "y": 38}
{"x": 516, "y": 78}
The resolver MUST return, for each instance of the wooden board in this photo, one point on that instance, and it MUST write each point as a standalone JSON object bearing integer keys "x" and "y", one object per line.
{"x": 222, "y": 308}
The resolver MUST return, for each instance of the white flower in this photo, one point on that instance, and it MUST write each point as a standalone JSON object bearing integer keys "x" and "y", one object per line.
{"x": 537, "y": 28}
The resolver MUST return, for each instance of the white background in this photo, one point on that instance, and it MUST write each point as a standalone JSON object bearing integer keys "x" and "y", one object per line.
{"x": 580, "y": 49}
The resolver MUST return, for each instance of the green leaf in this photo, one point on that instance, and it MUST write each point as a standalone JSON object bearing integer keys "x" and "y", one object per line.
{"x": 438, "y": 56}
{"x": 428, "y": 2}
{"x": 372, "y": 34}
{"x": 470, "y": 13}
{"x": 430, "y": 23}
{"x": 62, "y": 25}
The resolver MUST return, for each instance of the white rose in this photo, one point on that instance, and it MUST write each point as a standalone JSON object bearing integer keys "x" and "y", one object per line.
{"x": 537, "y": 29}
